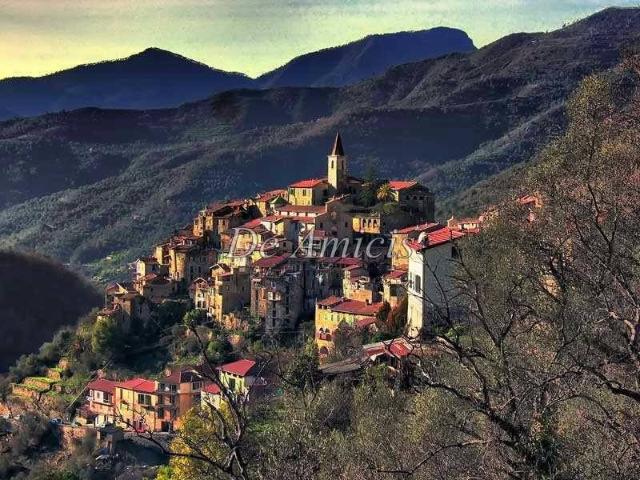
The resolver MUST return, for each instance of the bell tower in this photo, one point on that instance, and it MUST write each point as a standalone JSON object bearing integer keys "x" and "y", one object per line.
{"x": 337, "y": 166}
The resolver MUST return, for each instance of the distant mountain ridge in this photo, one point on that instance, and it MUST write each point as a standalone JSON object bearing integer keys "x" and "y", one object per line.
{"x": 158, "y": 78}
{"x": 153, "y": 78}
{"x": 366, "y": 58}
{"x": 82, "y": 185}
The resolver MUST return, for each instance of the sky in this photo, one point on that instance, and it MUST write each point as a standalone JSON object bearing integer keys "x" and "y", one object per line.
{"x": 249, "y": 36}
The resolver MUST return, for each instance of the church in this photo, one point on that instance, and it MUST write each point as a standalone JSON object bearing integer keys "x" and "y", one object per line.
{"x": 376, "y": 207}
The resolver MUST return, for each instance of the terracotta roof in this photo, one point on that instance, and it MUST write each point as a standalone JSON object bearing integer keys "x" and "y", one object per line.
{"x": 266, "y": 196}
{"x": 270, "y": 262}
{"x": 251, "y": 224}
{"x": 396, "y": 274}
{"x": 308, "y": 183}
{"x": 138, "y": 385}
{"x": 402, "y": 184}
{"x": 435, "y": 238}
{"x": 303, "y": 219}
{"x": 212, "y": 388}
{"x": 424, "y": 227}
{"x": 353, "y": 267}
{"x": 398, "y": 347}
{"x": 103, "y": 385}
{"x": 330, "y": 301}
{"x": 239, "y": 367}
{"x": 354, "y": 307}
{"x": 365, "y": 322}
{"x": 337, "y": 146}
{"x": 347, "y": 261}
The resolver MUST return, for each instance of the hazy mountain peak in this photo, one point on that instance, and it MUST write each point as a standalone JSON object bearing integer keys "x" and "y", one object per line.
{"x": 367, "y": 57}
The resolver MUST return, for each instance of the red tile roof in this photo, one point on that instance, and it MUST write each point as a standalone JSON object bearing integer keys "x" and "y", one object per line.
{"x": 348, "y": 261}
{"x": 270, "y": 262}
{"x": 309, "y": 183}
{"x": 354, "y": 307}
{"x": 397, "y": 347}
{"x": 303, "y": 219}
{"x": 365, "y": 322}
{"x": 437, "y": 237}
{"x": 138, "y": 385}
{"x": 239, "y": 367}
{"x": 330, "y": 301}
{"x": 103, "y": 385}
{"x": 402, "y": 184}
{"x": 424, "y": 227}
{"x": 266, "y": 196}
{"x": 252, "y": 224}
{"x": 396, "y": 274}
{"x": 212, "y": 388}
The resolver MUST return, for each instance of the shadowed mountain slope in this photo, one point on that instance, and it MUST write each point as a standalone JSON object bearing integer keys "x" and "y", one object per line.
{"x": 37, "y": 297}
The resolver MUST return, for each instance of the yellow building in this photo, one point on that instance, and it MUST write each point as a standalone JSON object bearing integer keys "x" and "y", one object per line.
{"x": 332, "y": 311}
{"x": 266, "y": 202}
{"x": 314, "y": 191}
{"x": 241, "y": 380}
{"x": 229, "y": 290}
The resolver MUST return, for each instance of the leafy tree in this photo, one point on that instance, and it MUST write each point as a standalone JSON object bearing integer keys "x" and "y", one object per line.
{"x": 106, "y": 338}
{"x": 384, "y": 193}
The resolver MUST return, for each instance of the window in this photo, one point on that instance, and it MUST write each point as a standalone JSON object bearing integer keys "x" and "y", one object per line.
{"x": 144, "y": 399}
{"x": 232, "y": 383}
{"x": 196, "y": 385}
{"x": 418, "y": 283}
{"x": 161, "y": 413}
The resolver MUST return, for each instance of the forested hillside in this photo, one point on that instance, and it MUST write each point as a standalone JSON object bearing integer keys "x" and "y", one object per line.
{"x": 38, "y": 297}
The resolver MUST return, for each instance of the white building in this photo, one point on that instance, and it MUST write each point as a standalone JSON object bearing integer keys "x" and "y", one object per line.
{"x": 431, "y": 264}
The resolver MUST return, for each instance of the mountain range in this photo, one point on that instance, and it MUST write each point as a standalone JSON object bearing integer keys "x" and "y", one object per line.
{"x": 97, "y": 187}
{"x": 157, "y": 78}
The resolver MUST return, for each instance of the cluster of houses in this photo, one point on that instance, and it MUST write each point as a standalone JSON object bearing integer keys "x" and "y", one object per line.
{"x": 337, "y": 249}
{"x": 158, "y": 405}
{"x": 320, "y": 247}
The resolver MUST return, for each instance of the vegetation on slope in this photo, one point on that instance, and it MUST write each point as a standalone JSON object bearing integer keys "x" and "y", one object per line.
{"x": 38, "y": 296}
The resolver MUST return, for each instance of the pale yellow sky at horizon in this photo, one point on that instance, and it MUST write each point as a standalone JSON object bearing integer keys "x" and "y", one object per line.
{"x": 249, "y": 36}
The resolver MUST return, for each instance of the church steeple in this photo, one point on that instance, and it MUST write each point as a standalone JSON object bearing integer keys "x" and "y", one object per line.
{"x": 337, "y": 149}
{"x": 337, "y": 166}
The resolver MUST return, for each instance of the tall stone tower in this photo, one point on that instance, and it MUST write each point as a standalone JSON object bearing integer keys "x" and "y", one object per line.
{"x": 337, "y": 166}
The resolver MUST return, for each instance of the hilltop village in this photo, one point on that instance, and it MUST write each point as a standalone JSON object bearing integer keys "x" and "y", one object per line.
{"x": 338, "y": 254}
{"x": 336, "y": 248}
